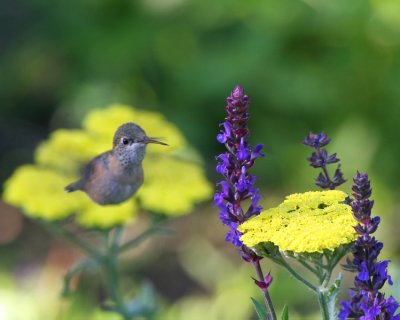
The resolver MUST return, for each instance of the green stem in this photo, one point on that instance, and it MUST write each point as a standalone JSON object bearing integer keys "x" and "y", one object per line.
{"x": 143, "y": 236}
{"x": 281, "y": 261}
{"x": 322, "y": 300}
{"x": 83, "y": 245}
{"x": 307, "y": 266}
{"x": 110, "y": 268}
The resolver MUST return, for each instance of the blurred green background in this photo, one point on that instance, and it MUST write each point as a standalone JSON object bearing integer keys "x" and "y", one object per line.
{"x": 307, "y": 65}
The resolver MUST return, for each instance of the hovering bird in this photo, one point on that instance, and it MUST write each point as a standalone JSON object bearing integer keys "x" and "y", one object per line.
{"x": 115, "y": 175}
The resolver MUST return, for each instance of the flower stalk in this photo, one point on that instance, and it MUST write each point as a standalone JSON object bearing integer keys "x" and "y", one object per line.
{"x": 320, "y": 159}
{"x": 238, "y": 183}
{"x": 366, "y": 299}
{"x": 105, "y": 258}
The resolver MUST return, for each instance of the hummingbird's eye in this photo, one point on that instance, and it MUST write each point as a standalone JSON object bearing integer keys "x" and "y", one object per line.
{"x": 125, "y": 141}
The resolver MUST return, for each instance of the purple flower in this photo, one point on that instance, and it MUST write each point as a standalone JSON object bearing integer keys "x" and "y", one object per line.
{"x": 257, "y": 152}
{"x": 225, "y": 134}
{"x": 366, "y": 301}
{"x": 320, "y": 159}
{"x": 316, "y": 140}
{"x": 223, "y": 164}
{"x": 234, "y": 165}
{"x": 243, "y": 150}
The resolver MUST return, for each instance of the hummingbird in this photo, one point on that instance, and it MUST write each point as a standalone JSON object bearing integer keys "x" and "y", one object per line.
{"x": 115, "y": 175}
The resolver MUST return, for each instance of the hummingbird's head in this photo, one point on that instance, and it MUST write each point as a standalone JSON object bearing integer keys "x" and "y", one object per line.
{"x": 130, "y": 142}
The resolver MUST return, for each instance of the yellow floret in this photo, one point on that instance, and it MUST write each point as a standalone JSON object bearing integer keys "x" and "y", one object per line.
{"x": 94, "y": 215}
{"x": 40, "y": 193}
{"x": 304, "y": 222}
{"x": 104, "y": 122}
{"x": 66, "y": 150}
{"x": 172, "y": 186}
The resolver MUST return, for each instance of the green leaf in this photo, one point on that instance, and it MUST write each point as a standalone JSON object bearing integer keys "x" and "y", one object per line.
{"x": 333, "y": 292}
{"x": 261, "y": 310}
{"x": 285, "y": 313}
{"x": 79, "y": 267}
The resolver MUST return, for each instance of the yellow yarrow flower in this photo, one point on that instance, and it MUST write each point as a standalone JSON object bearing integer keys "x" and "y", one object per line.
{"x": 38, "y": 191}
{"x": 172, "y": 185}
{"x": 65, "y": 150}
{"x": 103, "y": 123}
{"x": 164, "y": 195}
{"x": 305, "y": 222}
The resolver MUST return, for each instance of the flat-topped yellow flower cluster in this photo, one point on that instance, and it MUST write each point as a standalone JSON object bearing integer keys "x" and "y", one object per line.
{"x": 305, "y": 222}
{"x": 173, "y": 184}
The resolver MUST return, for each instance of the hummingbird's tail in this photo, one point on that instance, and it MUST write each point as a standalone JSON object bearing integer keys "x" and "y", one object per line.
{"x": 74, "y": 186}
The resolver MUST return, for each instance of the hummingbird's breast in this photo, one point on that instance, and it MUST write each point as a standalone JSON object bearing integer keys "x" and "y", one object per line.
{"x": 113, "y": 182}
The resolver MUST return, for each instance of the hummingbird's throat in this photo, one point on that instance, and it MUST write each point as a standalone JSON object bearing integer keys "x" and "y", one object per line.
{"x": 132, "y": 155}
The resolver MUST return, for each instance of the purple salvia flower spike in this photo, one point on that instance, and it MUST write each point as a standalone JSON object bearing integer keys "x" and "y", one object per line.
{"x": 366, "y": 301}
{"x": 238, "y": 184}
{"x": 234, "y": 164}
{"x": 320, "y": 159}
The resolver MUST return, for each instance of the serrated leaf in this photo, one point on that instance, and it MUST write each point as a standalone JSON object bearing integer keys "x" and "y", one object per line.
{"x": 260, "y": 309}
{"x": 285, "y": 313}
{"x": 333, "y": 292}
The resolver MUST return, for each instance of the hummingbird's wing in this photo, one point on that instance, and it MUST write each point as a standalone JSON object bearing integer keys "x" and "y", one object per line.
{"x": 88, "y": 172}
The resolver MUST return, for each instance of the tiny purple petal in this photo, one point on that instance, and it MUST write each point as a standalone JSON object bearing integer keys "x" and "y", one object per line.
{"x": 243, "y": 152}
{"x": 257, "y": 152}
{"x": 363, "y": 275}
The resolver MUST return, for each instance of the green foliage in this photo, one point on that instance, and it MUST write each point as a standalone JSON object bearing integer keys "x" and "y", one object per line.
{"x": 285, "y": 313}
{"x": 261, "y": 309}
{"x": 332, "y": 297}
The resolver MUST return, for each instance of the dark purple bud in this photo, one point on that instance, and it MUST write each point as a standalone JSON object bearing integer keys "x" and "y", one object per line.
{"x": 373, "y": 225}
{"x": 348, "y": 200}
{"x": 338, "y": 177}
{"x": 322, "y": 182}
{"x": 361, "y": 188}
{"x": 331, "y": 159}
{"x": 249, "y": 255}
{"x": 237, "y": 93}
{"x": 316, "y": 140}
{"x": 263, "y": 285}
{"x": 320, "y": 159}
{"x": 316, "y": 161}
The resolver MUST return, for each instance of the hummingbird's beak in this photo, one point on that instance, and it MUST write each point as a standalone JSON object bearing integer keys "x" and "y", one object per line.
{"x": 148, "y": 140}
